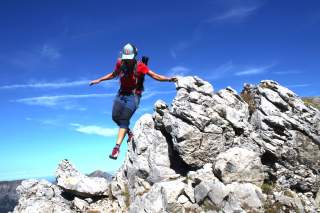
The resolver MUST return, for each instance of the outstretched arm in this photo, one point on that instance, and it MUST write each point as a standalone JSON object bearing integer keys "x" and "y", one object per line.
{"x": 160, "y": 77}
{"x": 104, "y": 78}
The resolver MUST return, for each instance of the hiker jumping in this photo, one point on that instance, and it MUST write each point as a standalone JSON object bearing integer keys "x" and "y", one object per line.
{"x": 131, "y": 74}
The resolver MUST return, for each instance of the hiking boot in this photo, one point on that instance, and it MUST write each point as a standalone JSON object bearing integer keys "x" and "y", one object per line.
{"x": 115, "y": 153}
{"x": 130, "y": 135}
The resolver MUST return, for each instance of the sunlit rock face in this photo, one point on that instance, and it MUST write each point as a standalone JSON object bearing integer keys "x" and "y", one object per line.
{"x": 256, "y": 151}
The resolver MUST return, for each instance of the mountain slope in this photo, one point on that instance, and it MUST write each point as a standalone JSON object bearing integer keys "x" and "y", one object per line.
{"x": 8, "y": 195}
{"x": 312, "y": 101}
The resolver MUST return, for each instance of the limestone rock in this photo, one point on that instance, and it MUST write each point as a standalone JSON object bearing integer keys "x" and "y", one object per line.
{"x": 257, "y": 151}
{"x": 40, "y": 196}
{"x": 248, "y": 194}
{"x": 76, "y": 183}
{"x": 240, "y": 165}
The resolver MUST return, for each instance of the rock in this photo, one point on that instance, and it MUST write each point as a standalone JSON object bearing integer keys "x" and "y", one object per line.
{"x": 151, "y": 201}
{"x": 239, "y": 165}
{"x": 214, "y": 189}
{"x": 105, "y": 205}
{"x": 143, "y": 162}
{"x": 189, "y": 191}
{"x": 232, "y": 204}
{"x": 182, "y": 199}
{"x": 288, "y": 130}
{"x": 80, "y": 205}
{"x": 76, "y": 183}
{"x": 317, "y": 201}
{"x": 249, "y": 195}
{"x": 40, "y": 196}
{"x": 232, "y": 108}
{"x": 195, "y": 84}
{"x": 289, "y": 200}
{"x": 206, "y": 152}
{"x": 172, "y": 190}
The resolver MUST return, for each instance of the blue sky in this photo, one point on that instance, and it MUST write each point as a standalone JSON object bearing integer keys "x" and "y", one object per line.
{"x": 50, "y": 50}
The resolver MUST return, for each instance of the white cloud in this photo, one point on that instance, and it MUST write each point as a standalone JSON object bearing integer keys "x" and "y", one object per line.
{"x": 178, "y": 71}
{"x": 220, "y": 71}
{"x": 51, "y": 122}
{"x": 60, "y": 100}
{"x": 238, "y": 13}
{"x": 50, "y": 52}
{"x": 53, "y": 85}
{"x": 149, "y": 94}
{"x": 95, "y": 130}
{"x": 35, "y": 58}
{"x": 173, "y": 53}
{"x": 56, "y": 85}
{"x": 254, "y": 70}
{"x": 233, "y": 10}
{"x": 181, "y": 46}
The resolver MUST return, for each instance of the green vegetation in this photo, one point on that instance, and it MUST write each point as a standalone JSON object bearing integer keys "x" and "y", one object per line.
{"x": 278, "y": 207}
{"x": 143, "y": 192}
{"x": 272, "y": 208}
{"x": 126, "y": 195}
{"x": 208, "y": 205}
{"x": 248, "y": 97}
{"x": 110, "y": 193}
{"x": 288, "y": 193}
{"x": 187, "y": 179}
{"x": 314, "y": 102}
{"x": 267, "y": 188}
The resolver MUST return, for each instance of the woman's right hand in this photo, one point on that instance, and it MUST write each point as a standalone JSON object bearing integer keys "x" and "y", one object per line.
{"x": 94, "y": 82}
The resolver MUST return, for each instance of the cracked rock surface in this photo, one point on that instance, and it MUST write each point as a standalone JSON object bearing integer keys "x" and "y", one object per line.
{"x": 207, "y": 151}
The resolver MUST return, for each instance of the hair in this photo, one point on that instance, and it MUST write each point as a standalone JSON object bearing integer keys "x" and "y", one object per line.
{"x": 135, "y": 50}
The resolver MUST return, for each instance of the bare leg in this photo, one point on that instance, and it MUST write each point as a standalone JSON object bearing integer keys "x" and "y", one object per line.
{"x": 121, "y": 134}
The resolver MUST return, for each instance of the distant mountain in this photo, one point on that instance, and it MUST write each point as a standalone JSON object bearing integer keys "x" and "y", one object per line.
{"x": 8, "y": 195}
{"x": 312, "y": 101}
{"x": 102, "y": 174}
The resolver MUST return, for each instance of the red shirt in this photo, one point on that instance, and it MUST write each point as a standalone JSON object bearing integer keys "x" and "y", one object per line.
{"x": 128, "y": 82}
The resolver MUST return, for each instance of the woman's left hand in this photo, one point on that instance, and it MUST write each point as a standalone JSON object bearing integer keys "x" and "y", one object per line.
{"x": 94, "y": 82}
{"x": 173, "y": 79}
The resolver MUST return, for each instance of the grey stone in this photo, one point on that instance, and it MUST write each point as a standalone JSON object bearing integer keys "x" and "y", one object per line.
{"x": 240, "y": 165}
{"x": 40, "y": 196}
{"x": 74, "y": 182}
{"x": 80, "y": 205}
{"x": 247, "y": 194}
{"x": 204, "y": 152}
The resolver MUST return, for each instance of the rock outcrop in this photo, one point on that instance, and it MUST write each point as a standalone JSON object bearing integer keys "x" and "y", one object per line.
{"x": 256, "y": 151}
{"x": 72, "y": 181}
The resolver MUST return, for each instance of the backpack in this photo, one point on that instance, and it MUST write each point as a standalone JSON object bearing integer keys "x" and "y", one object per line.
{"x": 139, "y": 80}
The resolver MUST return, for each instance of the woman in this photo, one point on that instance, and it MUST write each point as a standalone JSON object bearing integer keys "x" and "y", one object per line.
{"x": 131, "y": 74}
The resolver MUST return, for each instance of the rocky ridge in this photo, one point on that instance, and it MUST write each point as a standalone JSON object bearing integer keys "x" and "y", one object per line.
{"x": 258, "y": 151}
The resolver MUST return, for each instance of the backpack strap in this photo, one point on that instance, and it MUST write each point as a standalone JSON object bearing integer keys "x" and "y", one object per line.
{"x": 140, "y": 81}
{"x": 136, "y": 77}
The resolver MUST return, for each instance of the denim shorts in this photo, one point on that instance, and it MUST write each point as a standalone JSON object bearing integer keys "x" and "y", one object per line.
{"x": 123, "y": 108}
